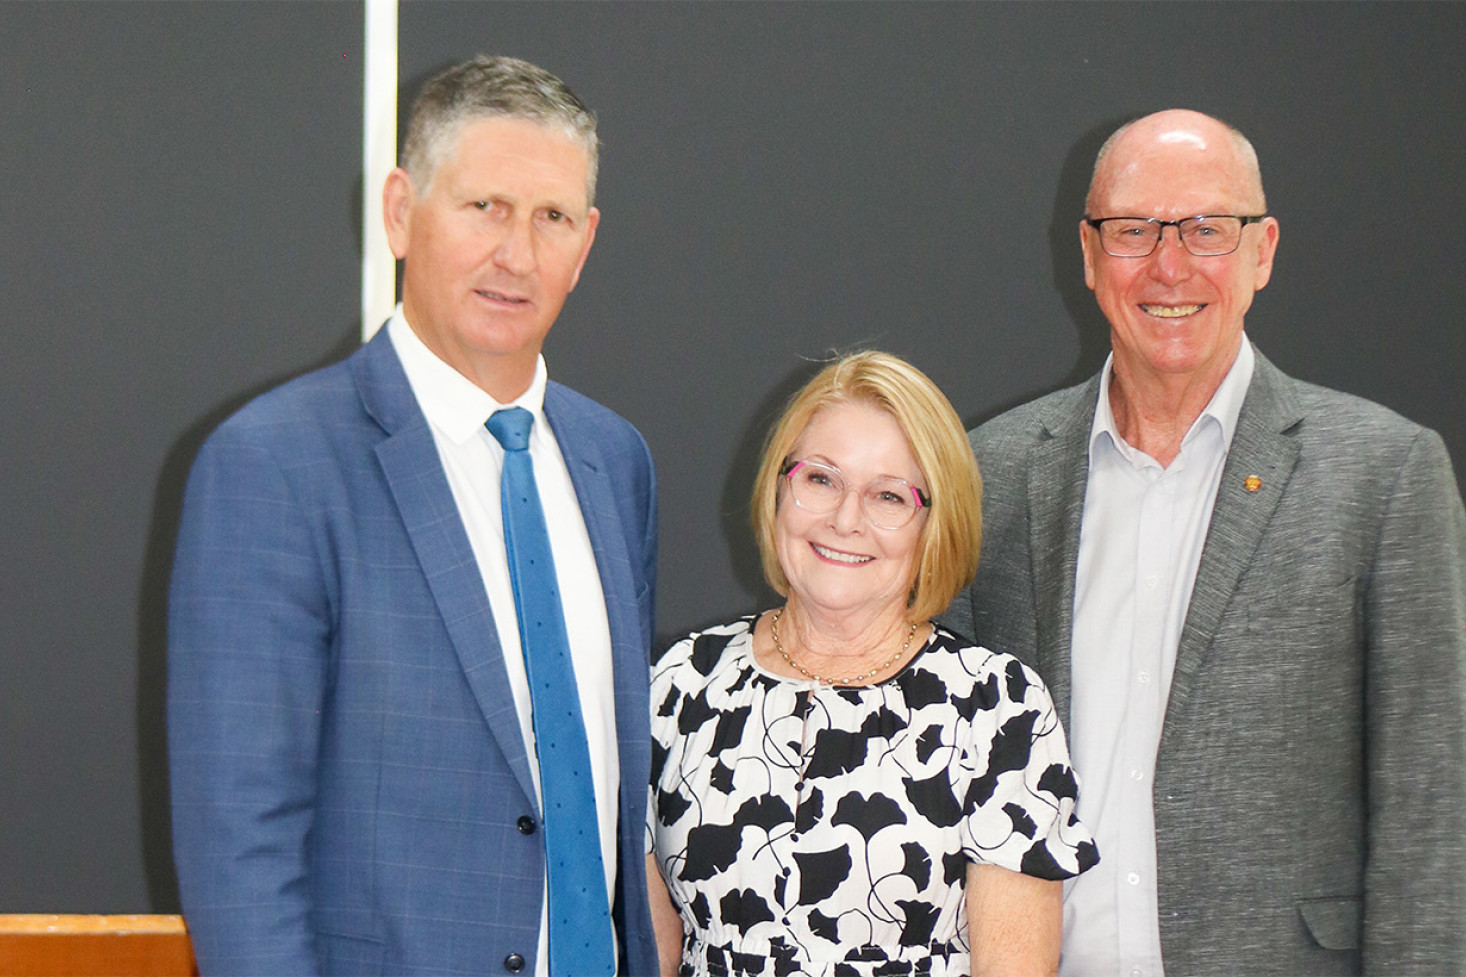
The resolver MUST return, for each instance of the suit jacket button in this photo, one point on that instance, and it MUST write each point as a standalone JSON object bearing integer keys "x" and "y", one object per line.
{"x": 525, "y": 825}
{"x": 514, "y": 963}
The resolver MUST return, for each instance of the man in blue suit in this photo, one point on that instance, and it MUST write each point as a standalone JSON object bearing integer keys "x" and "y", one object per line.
{"x": 355, "y": 784}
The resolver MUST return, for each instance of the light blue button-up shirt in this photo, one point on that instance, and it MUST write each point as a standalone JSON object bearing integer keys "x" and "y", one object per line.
{"x": 1140, "y": 543}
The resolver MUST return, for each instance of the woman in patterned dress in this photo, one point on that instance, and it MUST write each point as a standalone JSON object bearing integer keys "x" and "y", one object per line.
{"x": 841, "y": 786}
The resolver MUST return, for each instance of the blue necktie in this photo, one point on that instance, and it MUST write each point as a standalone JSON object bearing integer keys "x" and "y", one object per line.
{"x": 580, "y": 928}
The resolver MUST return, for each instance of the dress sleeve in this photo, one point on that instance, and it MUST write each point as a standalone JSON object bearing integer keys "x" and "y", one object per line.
{"x": 1021, "y": 790}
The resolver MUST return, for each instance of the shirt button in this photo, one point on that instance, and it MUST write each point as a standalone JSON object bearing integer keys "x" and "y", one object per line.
{"x": 514, "y": 963}
{"x": 1151, "y": 580}
{"x": 525, "y": 824}
{"x": 1137, "y": 972}
{"x": 1133, "y": 878}
{"x": 1143, "y": 678}
{"x": 1137, "y": 775}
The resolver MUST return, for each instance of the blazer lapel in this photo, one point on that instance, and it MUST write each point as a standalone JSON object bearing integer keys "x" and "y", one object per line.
{"x": 1058, "y": 472}
{"x": 414, "y": 473}
{"x": 1261, "y": 447}
{"x": 593, "y": 489}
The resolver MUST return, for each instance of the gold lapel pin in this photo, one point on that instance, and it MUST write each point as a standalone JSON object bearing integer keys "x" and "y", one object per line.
{"x": 1253, "y": 483}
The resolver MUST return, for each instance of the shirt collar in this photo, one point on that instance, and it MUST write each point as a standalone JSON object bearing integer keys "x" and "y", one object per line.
{"x": 1223, "y": 409}
{"x": 452, "y": 403}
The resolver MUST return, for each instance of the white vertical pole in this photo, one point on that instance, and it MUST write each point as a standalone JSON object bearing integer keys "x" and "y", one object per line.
{"x": 378, "y": 156}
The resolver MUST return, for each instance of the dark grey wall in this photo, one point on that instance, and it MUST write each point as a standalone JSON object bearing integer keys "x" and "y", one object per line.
{"x": 179, "y": 232}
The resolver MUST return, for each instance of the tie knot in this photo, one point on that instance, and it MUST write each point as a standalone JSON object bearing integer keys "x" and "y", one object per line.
{"x": 511, "y": 428}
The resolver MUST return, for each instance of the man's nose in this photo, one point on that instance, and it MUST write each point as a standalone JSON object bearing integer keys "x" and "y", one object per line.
{"x": 515, "y": 252}
{"x": 1170, "y": 260}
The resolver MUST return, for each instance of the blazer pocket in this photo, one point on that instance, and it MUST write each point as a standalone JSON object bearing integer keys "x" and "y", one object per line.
{"x": 1334, "y": 923}
{"x": 349, "y": 954}
{"x": 1323, "y": 605}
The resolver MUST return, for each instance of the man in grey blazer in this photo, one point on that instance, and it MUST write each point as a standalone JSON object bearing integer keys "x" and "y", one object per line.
{"x": 356, "y": 786}
{"x": 1248, "y": 595}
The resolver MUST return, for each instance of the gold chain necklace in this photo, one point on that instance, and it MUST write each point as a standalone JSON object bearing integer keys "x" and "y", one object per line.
{"x": 849, "y": 680}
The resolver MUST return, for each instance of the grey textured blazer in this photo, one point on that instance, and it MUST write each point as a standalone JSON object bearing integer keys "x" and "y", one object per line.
{"x": 1310, "y": 789}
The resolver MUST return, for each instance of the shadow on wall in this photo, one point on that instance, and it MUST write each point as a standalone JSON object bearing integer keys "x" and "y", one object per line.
{"x": 152, "y": 636}
{"x": 1066, "y": 258}
{"x": 734, "y": 515}
{"x": 1066, "y": 264}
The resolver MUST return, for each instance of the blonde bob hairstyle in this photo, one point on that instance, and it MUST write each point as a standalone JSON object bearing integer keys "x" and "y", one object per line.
{"x": 946, "y": 553}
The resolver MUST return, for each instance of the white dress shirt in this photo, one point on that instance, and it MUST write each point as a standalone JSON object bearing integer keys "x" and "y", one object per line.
{"x": 1140, "y": 543}
{"x": 456, "y": 410}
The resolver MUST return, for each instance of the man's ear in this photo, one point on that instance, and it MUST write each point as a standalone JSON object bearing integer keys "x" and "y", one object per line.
{"x": 592, "y": 221}
{"x": 1266, "y": 250}
{"x": 1084, "y": 246}
{"x": 397, "y": 200}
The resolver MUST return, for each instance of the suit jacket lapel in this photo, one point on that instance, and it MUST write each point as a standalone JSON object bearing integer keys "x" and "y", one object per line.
{"x": 414, "y": 473}
{"x": 1058, "y": 471}
{"x": 593, "y": 488}
{"x": 1261, "y": 446}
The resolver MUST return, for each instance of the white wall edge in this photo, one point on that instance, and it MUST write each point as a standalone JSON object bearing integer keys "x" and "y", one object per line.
{"x": 379, "y": 156}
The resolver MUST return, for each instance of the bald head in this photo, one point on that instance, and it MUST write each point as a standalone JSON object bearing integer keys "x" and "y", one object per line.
{"x": 1194, "y": 139}
{"x": 1176, "y": 317}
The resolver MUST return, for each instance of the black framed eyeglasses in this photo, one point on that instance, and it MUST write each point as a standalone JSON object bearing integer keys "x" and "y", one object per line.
{"x": 888, "y": 502}
{"x": 1206, "y": 236}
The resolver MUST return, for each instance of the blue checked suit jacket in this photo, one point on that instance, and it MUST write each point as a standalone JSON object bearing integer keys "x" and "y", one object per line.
{"x": 349, "y": 779}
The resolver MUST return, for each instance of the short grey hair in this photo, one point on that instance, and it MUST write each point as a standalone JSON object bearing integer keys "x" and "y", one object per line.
{"x": 489, "y": 87}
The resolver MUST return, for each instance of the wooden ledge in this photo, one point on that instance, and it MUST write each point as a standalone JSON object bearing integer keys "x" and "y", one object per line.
{"x": 41, "y": 945}
{"x": 112, "y": 925}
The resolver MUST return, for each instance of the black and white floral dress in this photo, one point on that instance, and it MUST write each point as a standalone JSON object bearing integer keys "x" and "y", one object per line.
{"x": 810, "y": 829}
